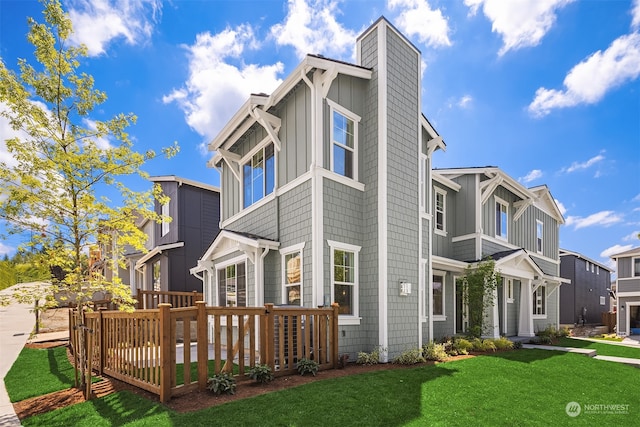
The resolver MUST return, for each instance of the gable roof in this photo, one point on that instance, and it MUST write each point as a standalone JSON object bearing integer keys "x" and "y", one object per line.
{"x": 630, "y": 252}
{"x": 565, "y": 252}
{"x": 180, "y": 181}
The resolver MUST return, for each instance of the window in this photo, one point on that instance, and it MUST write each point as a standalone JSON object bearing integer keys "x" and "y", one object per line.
{"x": 258, "y": 175}
{"x": 540, "y": 302}
{"x": 440, "y": 210}
{"x": 509, "y": 290}
{"x": 438, "y": 297}
{"x": 165, "y": 221}
{"x": 157, "y": 286}
{"x": 602, "y": 300}
{"x": 292, "y": 275}
{"x": 597, "y": 270}
{"x": 592, "y": 268}
{"x": 344, "y": 277}
{"x": 344, "y": 141}
{"x": 232, "y": 285}
{"x": 636, "y": 267}
{"x": 539, "y": 232}
{"x": 587, "y": 264}
{"x": 502, "y": 219}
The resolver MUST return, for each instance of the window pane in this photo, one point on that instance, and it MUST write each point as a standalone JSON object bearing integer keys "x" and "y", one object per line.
{"x": 246, "y": 185}
{"x": 293, "y": 295}
{"x": 344, "y": 297}
{"x": 636, "y": 267}
{"x": 241, "y": 286}
{"x": 270, "y": 169}
{"x": 438, "y": 306}
{"x": 339, "y": 162}
{"x": 222, "y": 289}
{"x": 293, "y": 267}
{"x": 348, "y": 164}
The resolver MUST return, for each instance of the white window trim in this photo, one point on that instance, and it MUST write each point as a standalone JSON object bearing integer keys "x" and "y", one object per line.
{"x": 437, "y": 191}
{"x": 506, "y": 204}
{"x": 354, "y": 318}
{"x": 540, "y": 316}
{"x": 443, "y": 316}
{"x": 541, "y": 224}
{"x": 165, "y": 226}
{"x": 260, "y": 146}
{"x": 283, "y": 253}
{"x": 333, "y": 106}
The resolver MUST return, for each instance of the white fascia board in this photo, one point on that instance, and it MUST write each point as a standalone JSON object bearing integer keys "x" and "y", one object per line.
{"x": 448, "y": 264}
{"x": 445, "y": 181}
{"x": 236, "y": 120}
{"x": 180, "y": 181}
{"x": 155, "y": 251}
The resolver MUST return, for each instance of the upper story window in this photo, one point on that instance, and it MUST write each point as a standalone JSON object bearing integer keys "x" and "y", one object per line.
{"x": 440, "y": 211}
{"x": 636, "y": 267}
{"x": 344, "y": 141}
{"x": 292, "y": 275}
{"x": 258, "y": 175}
{"x": 165, "y": 222}
{"x": 587, "y": 264}
{"x": 232, "y": 285}
{"x": 502, "y": 219}
{"x": 344, "y": 277}
{"x": 539, "y": 234}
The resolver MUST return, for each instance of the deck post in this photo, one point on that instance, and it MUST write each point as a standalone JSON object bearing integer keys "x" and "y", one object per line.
{"x": 269, "y": 337}
{"x": 165, "y": 352}
{"x": 202, "y": 345}
{"x": 333, "y": 340}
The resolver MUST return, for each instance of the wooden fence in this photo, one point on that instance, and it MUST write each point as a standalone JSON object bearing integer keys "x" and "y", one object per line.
{"x": 143, "y": 348}
{"x": 151, "y": 299}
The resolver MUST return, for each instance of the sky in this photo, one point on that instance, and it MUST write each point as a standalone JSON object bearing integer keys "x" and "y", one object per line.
{"x": 546, "y": 90}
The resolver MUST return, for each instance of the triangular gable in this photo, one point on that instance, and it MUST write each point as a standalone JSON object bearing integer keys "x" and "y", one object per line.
{"x": 517, "y": 263}
{"x": 546, "y": 202}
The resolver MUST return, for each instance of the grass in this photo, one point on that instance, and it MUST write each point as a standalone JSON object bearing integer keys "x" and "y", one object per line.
{"x": 524, "y": 388}
{"x": 602, "y": 348}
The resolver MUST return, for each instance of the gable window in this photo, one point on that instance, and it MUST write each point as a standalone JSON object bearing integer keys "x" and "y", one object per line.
{"x": 344, "y": 141}
{"x": 165, "y": 222}
{"x": 232, "y": 285}
{"x": 636, "y": 267}
{"x": 344, "y": 277}
{"x": 440, "y": 211}
{"x": 502, "y": 219}
{"x": 258, "y": 175}
{"x": 438, "y": 297}
{"x": 292, "y": 275}
{"x": 540, "y": 302}
{"x": 539, "y": 233}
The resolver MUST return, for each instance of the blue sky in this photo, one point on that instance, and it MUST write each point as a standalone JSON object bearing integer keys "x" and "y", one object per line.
{"x": 547, "y": 90}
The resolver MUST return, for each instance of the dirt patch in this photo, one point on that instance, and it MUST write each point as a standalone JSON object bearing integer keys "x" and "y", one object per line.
{"x": 54, "y": 320}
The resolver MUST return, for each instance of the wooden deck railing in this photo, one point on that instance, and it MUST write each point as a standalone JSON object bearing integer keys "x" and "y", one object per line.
{"x": 151, "y": 299}
{"x": 143, "y": 348}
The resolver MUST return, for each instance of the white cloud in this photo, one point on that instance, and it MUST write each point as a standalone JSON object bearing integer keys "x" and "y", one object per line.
{"x": 5, "y": 249}
{"x": 103, "y": 142}
{"x": 97, "y": 22}
{"x": 602, "y": 218}
{"x": 311, "y": 28}
{"x": 418, "y": 19}
{"x": 632, "y": 237}
{"x": 635, "y": 13}
{"x": 590, "y": 80}
{"x": 521, "y": 23}
{"x": 465, "y": 101}
{"x": 637, "y": 198}
{"x": 576, "y": 166}
{"x": 531, "y": 176}
{"x": 215, "y": 89}
{"x": 563, "y": 210}
{"x": 7, "y": 132}
{"x": 614, "y": 250}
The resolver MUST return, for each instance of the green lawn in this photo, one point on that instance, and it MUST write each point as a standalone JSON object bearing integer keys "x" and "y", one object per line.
{"x": 524, "y": 388}
{"x": 602, "y": 348}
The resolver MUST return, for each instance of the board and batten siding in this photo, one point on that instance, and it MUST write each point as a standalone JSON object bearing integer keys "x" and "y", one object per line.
{"x": 464, "y": 214}
{"x": 442, "y": 245}
{"x": 525, "y": 232}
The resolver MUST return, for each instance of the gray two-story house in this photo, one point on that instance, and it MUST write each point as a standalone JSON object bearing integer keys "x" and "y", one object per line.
{"x": 321, "y": 184}
{"x": 628, "y": 291}
{"x": 480, "y": 213}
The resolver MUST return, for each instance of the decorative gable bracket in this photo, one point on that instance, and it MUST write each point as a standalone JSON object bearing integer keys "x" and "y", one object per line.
{"x": 521, "y": 206}
{"x": 270, "y": 123}
{"x": 489, "y": 186}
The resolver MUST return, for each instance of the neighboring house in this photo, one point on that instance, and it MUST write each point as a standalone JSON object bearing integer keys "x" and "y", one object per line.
{"x": 175, "y": 246}
{"x": 628, "y": 291}
{"x": 482, "y": 212}
{"x": 587, "y": 297}
{"x": 326, "y": 198}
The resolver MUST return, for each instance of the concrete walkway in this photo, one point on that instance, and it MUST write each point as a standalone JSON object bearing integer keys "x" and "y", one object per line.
{"x": 16, "y": 323}
{"x": 589, "y": 352}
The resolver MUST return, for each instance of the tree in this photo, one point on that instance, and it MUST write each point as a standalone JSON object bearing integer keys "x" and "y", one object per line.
{"x": 479, "y": 284}
{"x": 64, "y": 163}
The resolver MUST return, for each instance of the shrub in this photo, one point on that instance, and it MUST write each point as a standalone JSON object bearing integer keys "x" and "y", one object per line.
{"x": 462, "y": 345}
{"x": 434, "y": 351}
{"x": 307, "y": 366}
{"x": 368, "y": 358}
{"x": 410, "y": 357}
{"x": 563, "y": 332}
{"x": 541, "y": 340}
{"x": 503, "y": 343}
{"x": 261, "y": 373}
{"x": 517, "y": 345}
{"x": 223, "y": 382}
{"x": 483, "y": 345}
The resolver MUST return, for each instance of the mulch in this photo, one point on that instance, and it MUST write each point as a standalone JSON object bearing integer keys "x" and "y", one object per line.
{"x": 191, "y": 401}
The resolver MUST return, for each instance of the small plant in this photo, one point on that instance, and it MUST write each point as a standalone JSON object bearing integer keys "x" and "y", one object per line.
{"x": 503, "y": 343}
{"x": 541, "y": 340}
{"x": 434, "y": 351}
{"x": 223, "y": 382}
{"x": 410, "y": 357}
{"x": 307, "y": 366}
{"x": 368, "y": 358}
{"x": 462, "y": 345}
{"x": 483, "y": 345}
{"x": 517, "y": 345}
{"x": 261, "y": 373}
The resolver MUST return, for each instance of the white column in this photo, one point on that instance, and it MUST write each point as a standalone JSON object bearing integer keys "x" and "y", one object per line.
{"x": 525, "y": 324}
